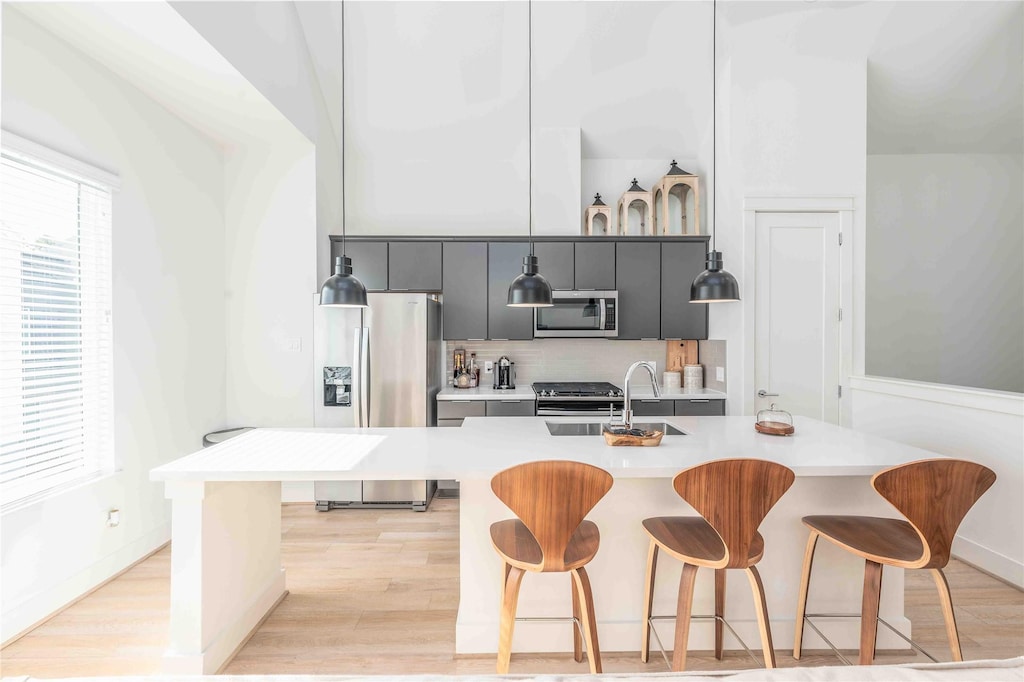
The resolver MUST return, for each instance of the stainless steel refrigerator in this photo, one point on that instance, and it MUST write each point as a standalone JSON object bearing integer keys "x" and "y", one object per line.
{"x": 377, "y": 366}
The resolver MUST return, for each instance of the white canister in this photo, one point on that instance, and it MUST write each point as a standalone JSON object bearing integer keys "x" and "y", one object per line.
{"x": 671, "y": 381}
{"x": 693, "y": 377}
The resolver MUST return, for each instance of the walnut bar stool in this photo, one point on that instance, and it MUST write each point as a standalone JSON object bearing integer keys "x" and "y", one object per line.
{"x": 551, "y": 499}
{"x": 732, "y": 497}
{"x": 934, "y": 495}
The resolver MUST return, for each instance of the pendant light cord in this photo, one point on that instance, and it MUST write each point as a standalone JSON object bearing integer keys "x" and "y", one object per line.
{"x": 529, "y": 114}
{"x": 344, "y": 149}
{"x": 714, "y": 117}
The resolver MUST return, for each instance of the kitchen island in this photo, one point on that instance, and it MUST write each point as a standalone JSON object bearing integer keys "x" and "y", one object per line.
{"x": 226, "y": 529}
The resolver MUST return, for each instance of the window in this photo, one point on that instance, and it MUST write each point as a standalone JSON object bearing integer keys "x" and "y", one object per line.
{"x": 56, "y": 402}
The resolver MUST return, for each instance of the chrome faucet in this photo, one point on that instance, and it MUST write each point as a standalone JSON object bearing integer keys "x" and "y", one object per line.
{"x": 627, "y": 410}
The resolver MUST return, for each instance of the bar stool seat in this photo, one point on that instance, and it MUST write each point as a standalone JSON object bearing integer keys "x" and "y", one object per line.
{"x": 692, "y": 540}
{"x": 888, "y": 541}
{"x": 518, "y": 547}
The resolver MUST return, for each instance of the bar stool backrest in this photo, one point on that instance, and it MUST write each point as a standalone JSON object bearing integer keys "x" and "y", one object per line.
{"x": 934, "y": 495}
{"x": 734, "y": 496}
{"x": 552, "y": 498}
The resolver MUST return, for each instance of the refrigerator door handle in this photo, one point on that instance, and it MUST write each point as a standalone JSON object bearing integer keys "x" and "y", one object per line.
{"x": 364, "y": 374}
{"x": 357, "y": 376}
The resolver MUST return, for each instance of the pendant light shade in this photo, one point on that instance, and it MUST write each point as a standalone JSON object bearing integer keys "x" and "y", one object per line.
{"x": 714, "y": 285}
{"x": 343, "y": 289}
{"x": 530, "y": 289}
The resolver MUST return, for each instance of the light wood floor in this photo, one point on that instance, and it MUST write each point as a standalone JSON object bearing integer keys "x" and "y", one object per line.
{"x": 377, "y": 592}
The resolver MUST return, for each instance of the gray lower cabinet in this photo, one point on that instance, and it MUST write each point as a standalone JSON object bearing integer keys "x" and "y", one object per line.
{"x": 511, "y": 408}
{"x": 637, "y": 277}
{"x": 680, "y": 264}
{"x": 414, "y": 266}
{"x": 595, "y": 265}
{"x": 651, "y": 408}
{"x": 452, "y": 412}
{"x": 464, "y": 283}
{"x": 505, "y": 263}
{"x": 699, "y": 408}
{"x": 557, "y": 263}
{"x": 369, "y": 262}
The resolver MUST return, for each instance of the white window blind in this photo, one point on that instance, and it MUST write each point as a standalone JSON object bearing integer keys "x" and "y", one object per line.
{"x": 56, "y": 394}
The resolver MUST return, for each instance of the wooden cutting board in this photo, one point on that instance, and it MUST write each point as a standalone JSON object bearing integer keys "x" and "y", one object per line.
{"x": 678, "y": 354}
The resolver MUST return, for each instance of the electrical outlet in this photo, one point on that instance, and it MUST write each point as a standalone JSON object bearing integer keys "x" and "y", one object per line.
{"x": 719, "y": 373}
{"x": 113, "y": 518}
{"x": 294, "y": 344}
{"x": 488, "y": 366}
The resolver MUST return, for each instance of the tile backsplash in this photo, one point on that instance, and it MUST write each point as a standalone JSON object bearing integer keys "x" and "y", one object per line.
{"x": 572, "y": 359}
{"x": 712, "y": 354}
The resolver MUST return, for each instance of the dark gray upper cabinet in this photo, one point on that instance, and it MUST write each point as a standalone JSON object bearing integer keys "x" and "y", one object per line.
{"x": 505, "y": 263}
{"x": 638, "y": 277}
{"x": 556, "y": 261}
{"x": 369, "y": 262}
{"x": 414, "y": 266}
{"x": 465, "y": 290}
{"x": 595, "y": 265}
{"x": 681, "y": 262}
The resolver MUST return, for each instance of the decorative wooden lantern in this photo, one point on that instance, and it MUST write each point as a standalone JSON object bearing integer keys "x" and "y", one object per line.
{"x": 679, "y": 183}
{"x": 597, "y": 219}
{"x": 636, "y": 195}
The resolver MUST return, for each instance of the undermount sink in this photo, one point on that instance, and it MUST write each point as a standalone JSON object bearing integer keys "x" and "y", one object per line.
{"x": 592, "y": 429}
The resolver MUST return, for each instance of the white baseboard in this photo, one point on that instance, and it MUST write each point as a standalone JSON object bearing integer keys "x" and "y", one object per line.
{"x": 297, "y": 491}
{"x": 229, "y": 640}
{"x": 37, "y": 608}
{"x": 999, "y": 565}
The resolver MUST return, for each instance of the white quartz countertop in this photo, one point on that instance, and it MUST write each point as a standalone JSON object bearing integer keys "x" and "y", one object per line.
{"x": 487, "y": 393}
{"x": 485, "y": 445}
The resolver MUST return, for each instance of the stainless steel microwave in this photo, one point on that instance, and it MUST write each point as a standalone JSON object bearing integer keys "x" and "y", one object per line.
{"x": 579, "y": 314}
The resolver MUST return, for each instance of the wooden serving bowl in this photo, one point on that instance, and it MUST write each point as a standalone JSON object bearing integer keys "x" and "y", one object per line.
{"x": 774, "y": 428}
{"x": 649, "y": 441}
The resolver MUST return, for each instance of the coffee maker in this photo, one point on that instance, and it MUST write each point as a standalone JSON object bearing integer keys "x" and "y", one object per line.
{"x": 504, "y": 374}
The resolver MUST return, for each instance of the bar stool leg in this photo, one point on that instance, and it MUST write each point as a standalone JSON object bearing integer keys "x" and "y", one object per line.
{"x": 586, "y": 602}
{"x": 577, "y": 640}
{"x": 719, "y": 610}
{"x": 869, "y": 611}
{"x": 683, "y": 609}
{"x": 801, "y": 604}
{"x": 947, "y": 613}
{"x": 763, "y": 624}
{"x": 652, "y": 566}
{"x": 508, "y": 617}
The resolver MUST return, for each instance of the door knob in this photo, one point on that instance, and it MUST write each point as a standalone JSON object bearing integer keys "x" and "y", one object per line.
{"x": 765, "y": 394}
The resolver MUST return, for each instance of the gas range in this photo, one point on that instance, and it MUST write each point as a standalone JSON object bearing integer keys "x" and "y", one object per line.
{"x": 577, "y": 398}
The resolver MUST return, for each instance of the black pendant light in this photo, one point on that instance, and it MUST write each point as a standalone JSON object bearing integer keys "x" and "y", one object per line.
{"x": 343, "y": 289}
{"x": 530, "y": 289}
{"x": 714, "y": 285}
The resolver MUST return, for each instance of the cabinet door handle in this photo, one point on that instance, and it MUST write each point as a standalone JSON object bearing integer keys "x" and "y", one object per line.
{"x": 462, "y": 401}
{"x": 515, "y": 402}
{"x": 648, "y": 400}
{"x": 700, "y": 401}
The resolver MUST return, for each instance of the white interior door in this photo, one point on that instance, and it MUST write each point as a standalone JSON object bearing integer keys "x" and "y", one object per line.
{"x": 797, "y": 313}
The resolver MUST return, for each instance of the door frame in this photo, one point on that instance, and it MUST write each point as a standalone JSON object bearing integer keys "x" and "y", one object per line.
{"x": 843, "y": 206}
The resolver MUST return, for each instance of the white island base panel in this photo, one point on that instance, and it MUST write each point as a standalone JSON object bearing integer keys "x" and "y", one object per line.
{"x": 226, "y": 574}
{"x": 617, "y": 574}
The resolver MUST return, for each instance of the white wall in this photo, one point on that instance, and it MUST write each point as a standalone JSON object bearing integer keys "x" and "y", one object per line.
{"x": 168, "y": 297}
{"x": 945, "y": 299}
{"x": 981, "y": 426}
{"x": 270, "y": 270}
